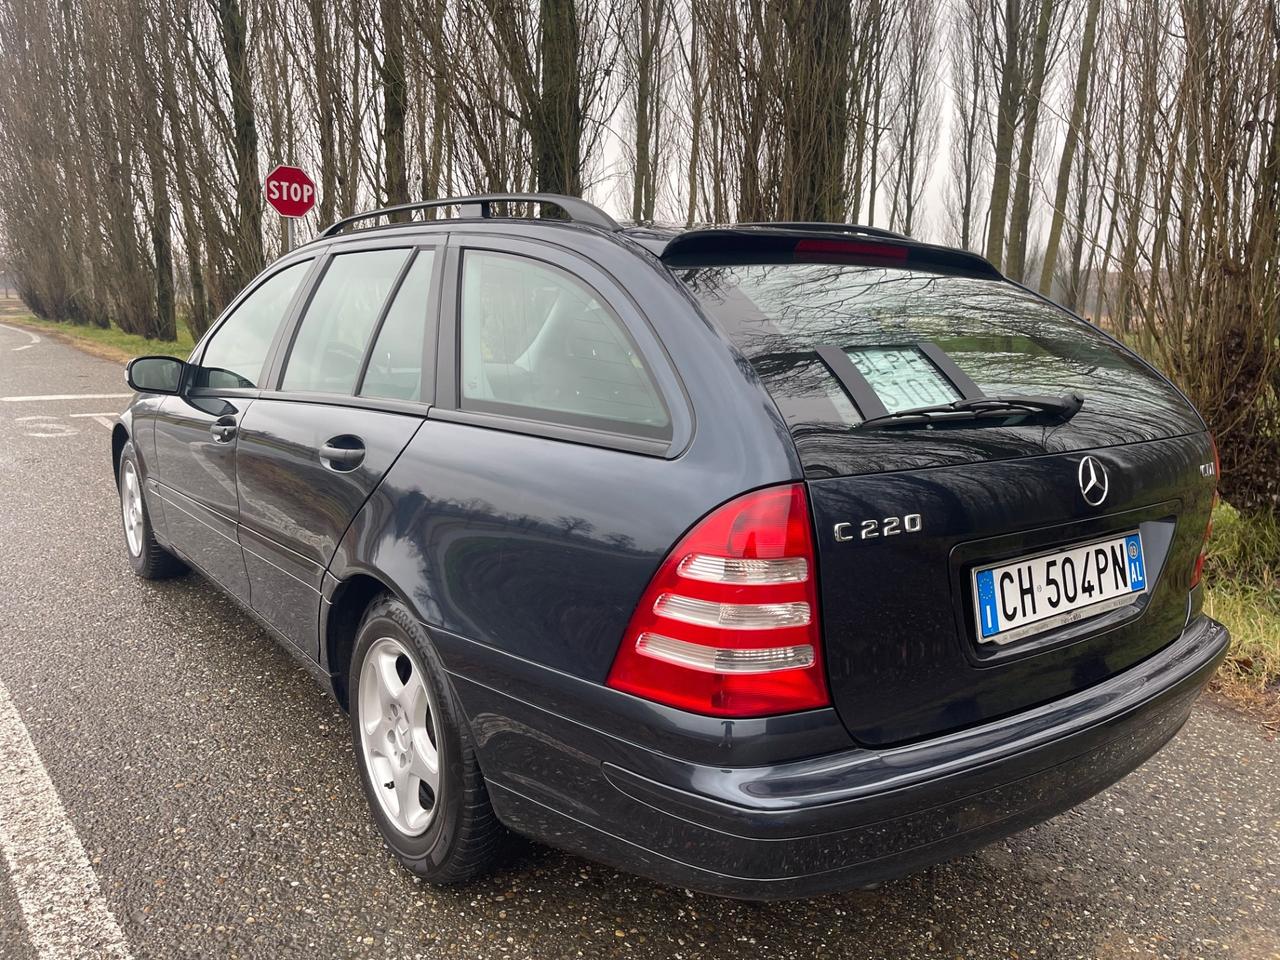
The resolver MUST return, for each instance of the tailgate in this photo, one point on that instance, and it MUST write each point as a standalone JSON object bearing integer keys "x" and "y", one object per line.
{"x": 904, "y": 655}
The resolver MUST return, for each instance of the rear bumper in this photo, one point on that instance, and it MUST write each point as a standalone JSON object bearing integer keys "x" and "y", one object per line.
{"x": 836, "y": 821}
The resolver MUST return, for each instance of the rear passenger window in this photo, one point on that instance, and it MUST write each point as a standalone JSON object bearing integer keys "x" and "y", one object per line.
{"x": 537, "y": 343}
{"x": 395, "y": 365}
{"x": 329, "y": 346}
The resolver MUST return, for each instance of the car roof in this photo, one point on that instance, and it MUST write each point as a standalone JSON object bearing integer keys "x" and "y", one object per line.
{"x": 669, "y": 242}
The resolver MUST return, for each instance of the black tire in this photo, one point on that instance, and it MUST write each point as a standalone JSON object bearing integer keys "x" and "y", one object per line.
{"x": 464, "y": 838}
{"x": 150, "y": 561}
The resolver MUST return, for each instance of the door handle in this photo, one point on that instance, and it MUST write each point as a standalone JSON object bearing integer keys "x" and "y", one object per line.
{"x": 342, "y": 453}
{"x": 223, "y": 429}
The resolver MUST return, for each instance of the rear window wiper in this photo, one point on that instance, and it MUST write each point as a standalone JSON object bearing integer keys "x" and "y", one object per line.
{"x": 1057, "y": 409}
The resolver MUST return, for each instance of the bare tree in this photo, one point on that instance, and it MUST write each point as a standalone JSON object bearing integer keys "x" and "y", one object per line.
{"x": 1041, "y": 53}
{"x": 913, "y": 134}
{"x": 647, "y": 31}
{"x": 966, "y": 39}
{"x": 395, "y": 97}
{"x": 558, "y": 59}
{"x": 233, "y": 36}
{"x": 1006, "y": 33}
{"x": 1071, "y": 138}
{"x": 818, "y": 38}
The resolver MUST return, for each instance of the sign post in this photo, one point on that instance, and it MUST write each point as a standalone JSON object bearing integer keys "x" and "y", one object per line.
{"x": 291, "y": 194}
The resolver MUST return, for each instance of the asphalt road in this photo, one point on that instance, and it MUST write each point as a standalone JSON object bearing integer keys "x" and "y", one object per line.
{"x": 210, "y": 786}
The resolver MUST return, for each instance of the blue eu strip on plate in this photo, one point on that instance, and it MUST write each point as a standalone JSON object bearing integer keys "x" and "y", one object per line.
{"x": 990, "y": 619}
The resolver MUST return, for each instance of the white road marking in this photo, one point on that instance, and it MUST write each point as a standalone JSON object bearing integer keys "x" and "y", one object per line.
{"x": 108, "y": 420}
{"x": 25, "y": 333}
{"x": 46, "y": 423}
{"x": 67, "y": 396}
{"x": 66, "y": 915}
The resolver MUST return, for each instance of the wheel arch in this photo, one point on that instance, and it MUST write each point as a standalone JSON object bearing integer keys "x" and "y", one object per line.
{"x": 119, "y": 437}
{"x": 341, "y": 622}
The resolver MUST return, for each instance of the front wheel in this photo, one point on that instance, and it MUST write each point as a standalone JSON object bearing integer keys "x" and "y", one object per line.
{"x": 148, "y": 559}
{"x": 416, "y": 760}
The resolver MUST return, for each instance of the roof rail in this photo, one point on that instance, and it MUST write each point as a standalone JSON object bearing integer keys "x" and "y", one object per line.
{"x": 577, "y": 209}
{"x": 825, "y": 227}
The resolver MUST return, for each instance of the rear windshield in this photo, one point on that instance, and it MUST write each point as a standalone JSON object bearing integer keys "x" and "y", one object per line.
{"x": 1003, "y": 338}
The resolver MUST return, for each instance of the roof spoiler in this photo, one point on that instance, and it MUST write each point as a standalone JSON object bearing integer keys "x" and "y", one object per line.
{"x": 818, "y": 243}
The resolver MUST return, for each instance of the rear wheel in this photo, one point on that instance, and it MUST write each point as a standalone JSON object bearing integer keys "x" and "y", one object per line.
{"x": 148, "y": 559}
{"x": 416, "y": 760}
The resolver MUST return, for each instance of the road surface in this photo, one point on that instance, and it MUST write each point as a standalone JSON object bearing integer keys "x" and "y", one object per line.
{"x": 172, "y": 784}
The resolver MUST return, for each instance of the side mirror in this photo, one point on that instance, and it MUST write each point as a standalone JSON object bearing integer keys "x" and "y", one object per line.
{"x": 155, "y": 374}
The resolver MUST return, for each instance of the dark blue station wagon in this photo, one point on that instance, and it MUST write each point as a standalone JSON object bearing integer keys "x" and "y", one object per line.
{"x": 762, "y": 560}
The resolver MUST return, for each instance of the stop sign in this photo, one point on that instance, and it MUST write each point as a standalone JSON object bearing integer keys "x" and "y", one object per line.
{"x": 290, "y": 191}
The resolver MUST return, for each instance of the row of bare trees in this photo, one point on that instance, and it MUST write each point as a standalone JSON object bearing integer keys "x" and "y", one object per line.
{"x": 1119, "y": 155}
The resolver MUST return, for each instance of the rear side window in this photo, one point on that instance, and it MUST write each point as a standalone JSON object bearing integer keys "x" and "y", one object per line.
{"x": 329, "y": 347}
{"x": 539, "y": 344}
{"x": 395, "y": 364}
{"x": 238, "y": 349}
{"x": 1003, "y": 338}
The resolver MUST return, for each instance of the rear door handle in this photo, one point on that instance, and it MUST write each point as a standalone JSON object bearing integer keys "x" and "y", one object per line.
{"x": 342, "y": 453}
{"x": 223, "y": 429}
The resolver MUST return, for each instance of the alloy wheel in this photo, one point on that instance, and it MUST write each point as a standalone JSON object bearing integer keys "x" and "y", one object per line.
{"x": 399, "y": 735}
{"x": 131, "y": 507}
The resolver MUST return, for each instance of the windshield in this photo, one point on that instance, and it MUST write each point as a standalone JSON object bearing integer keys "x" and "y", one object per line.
{"x": 1007, "y": 341}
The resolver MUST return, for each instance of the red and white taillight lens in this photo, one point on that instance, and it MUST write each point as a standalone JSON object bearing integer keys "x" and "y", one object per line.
{"x": 728, "y": 626}
{"x": 1198, "y": 570}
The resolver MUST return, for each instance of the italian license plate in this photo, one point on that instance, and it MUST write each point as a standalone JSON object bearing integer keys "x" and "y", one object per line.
{"x": 1033, "y": 594}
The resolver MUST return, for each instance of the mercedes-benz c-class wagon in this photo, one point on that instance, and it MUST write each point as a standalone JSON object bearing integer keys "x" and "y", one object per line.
{"x": 762, "y": 560}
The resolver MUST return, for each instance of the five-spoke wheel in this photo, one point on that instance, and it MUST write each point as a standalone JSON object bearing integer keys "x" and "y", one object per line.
{"x": 131, "y": 507}
{"x": 148, "y": 558}
{"x": 417, "y": 761}
{"x": 399, "y": 735}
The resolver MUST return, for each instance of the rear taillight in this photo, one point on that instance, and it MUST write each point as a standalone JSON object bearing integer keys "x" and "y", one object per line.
{"x": 728, "y": 626}
{"x": 1198, "y": 570}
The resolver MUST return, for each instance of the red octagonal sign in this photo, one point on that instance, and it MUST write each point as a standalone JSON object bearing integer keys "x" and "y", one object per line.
{"x": 290, "y": 191}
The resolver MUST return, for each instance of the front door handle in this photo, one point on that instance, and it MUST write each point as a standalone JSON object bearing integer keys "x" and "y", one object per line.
{"x": 342, "y": 453}
{"x": 223, "y": 429}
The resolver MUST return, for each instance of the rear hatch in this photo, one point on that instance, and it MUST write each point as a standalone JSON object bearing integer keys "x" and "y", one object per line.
{"x": 1089, "y": 561}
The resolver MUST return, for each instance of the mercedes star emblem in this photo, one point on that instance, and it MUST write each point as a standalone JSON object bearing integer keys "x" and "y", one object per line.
{"x": 1093, "y": 481}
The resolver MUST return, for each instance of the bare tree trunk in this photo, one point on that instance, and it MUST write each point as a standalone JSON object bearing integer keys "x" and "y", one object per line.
{"x": 650, "y": 38}
{"x": 1148, "y": 95}
{"x": 1077, "y": 279}
{"x": 695, "y": 120}
{"x": 325, "y": 109}
{"x": 1079, "y": 98}
{"x": 558, "y": 122}
{"x": 878, "y": 73}
{"x": 863, "y": 88}
{"x": 1119, "y": 150}
{"x": 1006, "y": 125}
{"x": 433, "y": 169}
{"x": 164, "y": 325}
{"x": 914, "y": 129}
{"x": 1020, "y": 215}
{"x": 395, "y": 95}
{"x": 965, "y": 47}
{"x": 817, "y": 123}
{"x": 232, "y": 34}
